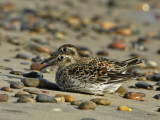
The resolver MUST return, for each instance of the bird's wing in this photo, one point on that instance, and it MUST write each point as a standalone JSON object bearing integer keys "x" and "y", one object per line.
{"x": 94, "y": 74}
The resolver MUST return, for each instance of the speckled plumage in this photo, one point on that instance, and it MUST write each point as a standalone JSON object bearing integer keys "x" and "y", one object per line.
{"x": 91, "y": 75}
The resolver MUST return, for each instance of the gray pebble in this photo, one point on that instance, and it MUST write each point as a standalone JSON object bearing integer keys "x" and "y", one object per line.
{"x": 45, "y": 98}
{"x": 144, "y": 85}
{"x": 17, "y": 85}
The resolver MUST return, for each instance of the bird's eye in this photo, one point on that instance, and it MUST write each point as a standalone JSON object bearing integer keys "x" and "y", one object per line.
{"x": 64, "y": 49}
{"x": 61, "y": 58}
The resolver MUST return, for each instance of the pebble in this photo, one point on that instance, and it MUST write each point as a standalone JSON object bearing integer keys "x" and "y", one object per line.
{"x": 7, "y": 89}
{"x": 78, "y": 102}
{"x": 46, "y": 92}
{"x": 36, "y": 66}
{"x": 30, "y": 82}
{"x": 124, "y": 31}
{"x": 33, "y": 75}
{"x": 87, "y": 105}
{"x": 4, "y": 97}
{"x": 144, "y": 85}
{"x": 25, "y": 99}
{"x": 101, "y": 101}
{"x": 45, "y": 98}
{"x": 30, "y": 91}
{"x": 84, "y": 51}
{"x": 68, "y": 98}
{"x": 16, "y": 73}
{"x": 121, "y": 90}
{"x": 23, "y": 93}
{"x": 158, "y": 88}
{"x": 37, "y": 59}
{"x": 23, "y": 56}
{"x": 124, "y": 108}
{"x": 158, "y": 110}
{"x": 155, "y": 77}
{"x": 133, "y": 96}
{"x": 142, "y": 79}
{"x": 117, "y": 45}
{"x": 157, "y": 96}
{"x": 43, "y": 49}
{"x": 17, "y": 85}
{"x": 56, "y": 109}
{"x": 60, "y": 99}
{"x": 102, "y": 53}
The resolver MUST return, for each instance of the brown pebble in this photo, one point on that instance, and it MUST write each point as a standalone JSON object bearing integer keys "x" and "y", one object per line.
{"x": 36, "y": 66}
{"x": 102, "y": 53}
{"x": 100, "y": 101}
{"x": 142, "y": 79}
{"x": 121, "y": 90}
{"x": 117, "y": 45}
{"x": 68, "y": 98}
{"x": 24, "y": 99}
{"x": 4, "y": 97}
{"x": 7, "y": 89}
{"x": 43, "y": 49}
{"x": 78, "y": 102}
{"x": 133, "y": 96}
{"x": 87, "y": 105}
{"x": 124, "y": 31}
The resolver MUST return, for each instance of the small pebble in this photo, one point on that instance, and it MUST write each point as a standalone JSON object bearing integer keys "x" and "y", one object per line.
{"x": 36, "y": 66}
{"x": 23, "y": 56}
{"x": 30, "y": 91}
{"x": 157, "y": 96}
{"x": 87, "y": 105}
{"x": 23, "y": 93}
{"x": 124, "y": 108}
{"x": 7, "y": 89}
{"x": 68, "y": 98}
{"x": 142, "y": 79}
{"x": 117, "y": 45}
{"x": 121, "y": 90}
{"x": 100, "y": 101}
{"x": 25, "y": 99}
{"x": 17, "y": 73}
{"x": 33, "y": 75}
{"x": 60, "y": 99}
{"x": 78, "y": 102}
{"x": 102, "y": 53}
{"x": 144, "y": 85}
{"x": 4, "y": 97}
{"x": 45, "y": 98}
{"x": 17, "y": 85}
{"x": 158, "y": 88}
{"x": 124, "y": 31}
{"x": 46, "y": 92}
{"x": 30, "y": 82}
{"x": 133, "y": 96}
{"x": 158, "y": 110}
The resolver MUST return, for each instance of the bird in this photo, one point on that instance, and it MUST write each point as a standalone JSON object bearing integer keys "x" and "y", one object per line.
{"x": 79, "y": 75}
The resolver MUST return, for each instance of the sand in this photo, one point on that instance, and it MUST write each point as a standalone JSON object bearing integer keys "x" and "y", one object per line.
{"x": 141, "y": 110}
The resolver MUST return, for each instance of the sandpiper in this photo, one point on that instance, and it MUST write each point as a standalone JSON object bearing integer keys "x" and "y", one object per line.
{"x": 79, "y": 75}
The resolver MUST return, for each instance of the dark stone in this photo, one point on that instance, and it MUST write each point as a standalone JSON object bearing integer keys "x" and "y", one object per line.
{"x": 45, "y": 98}
{"x": 33, "y": 75}
{"x": 144, "y": 85}
{"x": 157, "y": 96}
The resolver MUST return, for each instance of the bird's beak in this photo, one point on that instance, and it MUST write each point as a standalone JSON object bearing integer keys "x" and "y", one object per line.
{"x": 49, "y": 64}
{"x": 53, "y": 56}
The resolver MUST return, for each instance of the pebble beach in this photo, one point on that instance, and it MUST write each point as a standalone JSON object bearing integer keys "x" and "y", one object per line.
{"x": 31, "y": 31}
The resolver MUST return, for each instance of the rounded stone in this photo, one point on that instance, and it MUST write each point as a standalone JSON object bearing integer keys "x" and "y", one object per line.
{"x": 7, "y": 89}
{"x": 133, "y": 96}
{"x": 78, "y": 102}
{"x": 23, "y": 93}
{"x": 30, "y": 82}
{"x": 142, "y": 79}
{"x": 87, "y": 105}
{"x": 124, "y": 108}
{"x": 157, "y": 96}
{"x": 144, "y": 85}
{"x": 31, "y": 91}
{"x": 23, "y": 56}
{"x": 4, "y": 97}
{"x": 60, "y": 99}
{"x": 25, "y": 99}
{"x": 158, "y": 110}
{"x": 117, "y": 45}
{"x": 121, "y": 90}
{"x": 17, "y": 85}
{"x": 33, "y": 75}
{"x": 17, "y": 73}
{"x": 102, "y": 53}
{"x": 36, "y": 66}
{"x": 101, "y": 101}
{"x": 158, "y": 88}
{"x": 68, "y": 98}
{"x": 45, "y": 98}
